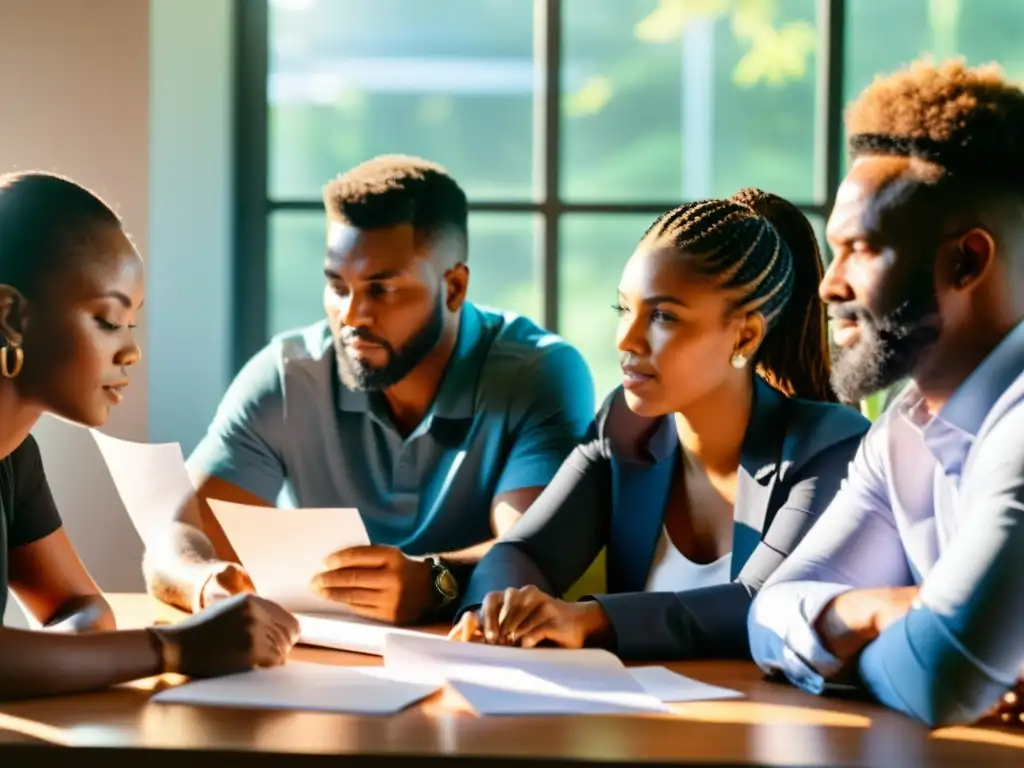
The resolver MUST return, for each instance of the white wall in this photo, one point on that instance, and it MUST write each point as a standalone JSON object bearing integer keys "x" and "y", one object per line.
{"x": 132, "y": 98}
{"x": 190, "y": 224}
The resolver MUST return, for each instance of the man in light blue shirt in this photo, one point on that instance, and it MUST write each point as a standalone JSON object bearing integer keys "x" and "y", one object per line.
{"x": 911, "y": 585}
{"x": 438, "y": 420}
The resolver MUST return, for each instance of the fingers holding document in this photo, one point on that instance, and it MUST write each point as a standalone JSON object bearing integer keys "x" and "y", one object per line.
{"x": 234, "y": 635}
{"x": 379, "y": 582}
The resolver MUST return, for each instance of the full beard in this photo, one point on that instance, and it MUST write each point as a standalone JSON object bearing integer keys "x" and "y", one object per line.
{"x": 361, "y": 376}
{"x": 890, "y": 346}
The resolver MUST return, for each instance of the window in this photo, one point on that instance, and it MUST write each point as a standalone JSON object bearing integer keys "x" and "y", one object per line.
{"x": 571, "y": 124}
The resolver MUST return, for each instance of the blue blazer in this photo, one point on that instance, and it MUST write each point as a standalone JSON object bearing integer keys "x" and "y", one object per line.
{"x": 612, "y": 492}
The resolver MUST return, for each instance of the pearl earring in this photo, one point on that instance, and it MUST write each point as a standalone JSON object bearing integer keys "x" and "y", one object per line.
{"x": 738, "y": 360}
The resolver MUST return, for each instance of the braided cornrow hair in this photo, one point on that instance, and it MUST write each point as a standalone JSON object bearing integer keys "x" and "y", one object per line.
{"x": 763, "y": 247}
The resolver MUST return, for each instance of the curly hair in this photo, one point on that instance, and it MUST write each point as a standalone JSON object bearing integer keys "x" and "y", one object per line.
{"x": 969, "y": 121}
{"x": 764, "y": 248}
{"x": 398, "y": 189}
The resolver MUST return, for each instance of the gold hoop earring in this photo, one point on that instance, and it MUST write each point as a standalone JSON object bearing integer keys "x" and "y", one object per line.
{"x": 738, "y": 360}
{"x": 9, "y": 372}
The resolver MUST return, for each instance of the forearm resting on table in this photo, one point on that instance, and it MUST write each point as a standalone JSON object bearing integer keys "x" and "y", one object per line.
{"x": 178, "y": 563}
{"x": 44, "y": 664}
{"x": 841, "y": 633}
{"x": 853, "y": 619}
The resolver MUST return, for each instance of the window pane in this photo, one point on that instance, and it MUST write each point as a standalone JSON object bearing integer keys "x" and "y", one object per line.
{"x": 504, "y": 263}
{"x": 450, "y": 80}
{"x": 502, "y": 271}
{"x": 669, "y": 100}
{"x": 594, "y": 251}
{"x": 882, "y": 36}
{"x": 296, "y": 269}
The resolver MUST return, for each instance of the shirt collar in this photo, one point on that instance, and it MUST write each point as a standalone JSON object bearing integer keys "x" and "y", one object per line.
{"x": 973, "y": 399}
{"x": 967, "y": 408}
{"x": 951, "y": 433}
{"x": 456, "y": 397}
{"x": 457, "y": 394}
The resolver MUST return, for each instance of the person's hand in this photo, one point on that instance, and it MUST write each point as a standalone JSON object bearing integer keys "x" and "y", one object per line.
{"x": 855, "y": 618}
{"x": 528, "y": 616}
{"x": 230, "y": 580}
{"x": 379, "y": 582}
{"x": 235, "y": 635}
{"x": 891, "y": 605}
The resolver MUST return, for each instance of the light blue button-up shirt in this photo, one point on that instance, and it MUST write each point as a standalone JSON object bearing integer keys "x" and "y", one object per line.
{"x": 932, "y": 501}
{"x": 513, "y": 403}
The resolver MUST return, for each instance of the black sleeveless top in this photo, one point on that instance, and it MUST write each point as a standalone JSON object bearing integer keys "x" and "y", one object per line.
{"x": 27, "y": 511}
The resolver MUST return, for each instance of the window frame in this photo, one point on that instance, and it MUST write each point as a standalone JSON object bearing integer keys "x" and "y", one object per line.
{"x": 254, "y": 206}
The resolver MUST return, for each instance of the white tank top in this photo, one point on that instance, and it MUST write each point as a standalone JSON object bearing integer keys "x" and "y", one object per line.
{"x": 671, "y": 571}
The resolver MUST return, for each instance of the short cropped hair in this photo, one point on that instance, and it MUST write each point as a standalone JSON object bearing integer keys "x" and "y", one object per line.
{"x": 43, "y": 216}
{"x": 969, "y": 121}
{"x": 398, "y": 189}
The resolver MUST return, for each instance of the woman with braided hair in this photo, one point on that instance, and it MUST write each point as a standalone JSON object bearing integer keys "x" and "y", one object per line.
{"x": 705, "y": 468}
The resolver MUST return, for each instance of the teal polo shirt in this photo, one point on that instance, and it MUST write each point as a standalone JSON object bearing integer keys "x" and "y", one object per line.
{"x": 513, "y": 403}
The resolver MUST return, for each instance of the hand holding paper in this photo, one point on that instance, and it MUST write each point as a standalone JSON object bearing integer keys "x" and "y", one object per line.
{"x": 283, "y": 550}
{"x": 379, "y": 583}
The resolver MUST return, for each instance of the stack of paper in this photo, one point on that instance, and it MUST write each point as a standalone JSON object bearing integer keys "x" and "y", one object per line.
{"x": 315, "y": 687}
{"x": 494, "y": 680}
{"x": 499, "y": 680}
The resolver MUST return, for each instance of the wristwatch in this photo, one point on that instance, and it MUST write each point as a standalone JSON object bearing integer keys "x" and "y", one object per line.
{"x": 444, "y": 581}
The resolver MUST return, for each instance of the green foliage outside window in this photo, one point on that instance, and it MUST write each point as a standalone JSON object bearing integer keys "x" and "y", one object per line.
{"x": 662, "y": 101}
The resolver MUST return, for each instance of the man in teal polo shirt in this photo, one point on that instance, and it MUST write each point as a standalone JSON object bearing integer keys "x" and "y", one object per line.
{"x": 439, "y": 420}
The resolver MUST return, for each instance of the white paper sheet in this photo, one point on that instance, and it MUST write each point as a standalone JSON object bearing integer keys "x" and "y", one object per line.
{"x": 300, "y": 686}
{"x": 669, "y": 686}
{"x": 499, "y": 680}
{"x": 350, "y": 633}
{"x": 150, "y": 479}
{"x": 283, "y": 549}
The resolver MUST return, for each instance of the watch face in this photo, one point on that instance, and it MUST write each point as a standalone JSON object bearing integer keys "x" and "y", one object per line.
{"x": 446, "y": 584}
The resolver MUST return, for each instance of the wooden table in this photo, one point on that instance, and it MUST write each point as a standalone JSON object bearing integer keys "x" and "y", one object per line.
{"x": 774, "y": 725}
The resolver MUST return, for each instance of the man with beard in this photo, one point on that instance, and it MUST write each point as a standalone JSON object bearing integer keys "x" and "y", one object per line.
{"x": 438, "y": 420}
{"x": 911, "y": 584}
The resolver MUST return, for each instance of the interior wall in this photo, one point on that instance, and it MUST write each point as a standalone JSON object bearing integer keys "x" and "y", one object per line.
{"x": 133, "y": 99}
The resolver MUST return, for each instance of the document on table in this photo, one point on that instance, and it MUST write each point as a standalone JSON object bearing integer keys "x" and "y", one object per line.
{"x": 283, "y": 549}
{"x": 350, "y": 633}
{"x": 668, "y": 686}
{"x": 300, "y": 686}
{"x": 151, "y": 480}
{"x": 499, "y": 680}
